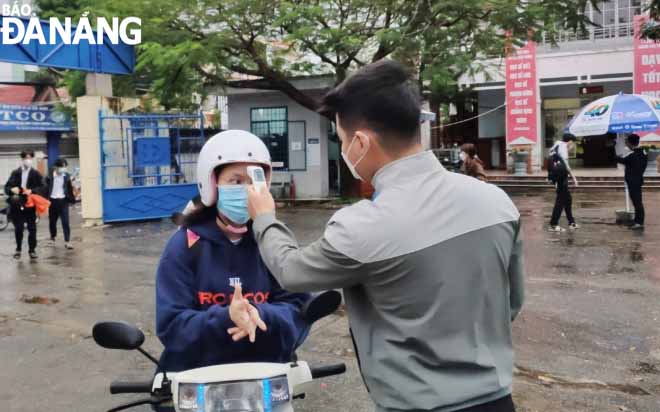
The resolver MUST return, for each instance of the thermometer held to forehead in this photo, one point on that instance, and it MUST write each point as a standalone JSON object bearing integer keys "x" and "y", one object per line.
{"x": 258, "y": 177}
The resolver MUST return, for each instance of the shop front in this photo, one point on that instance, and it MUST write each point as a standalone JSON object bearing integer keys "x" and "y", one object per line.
{"x": 33, "y": 127}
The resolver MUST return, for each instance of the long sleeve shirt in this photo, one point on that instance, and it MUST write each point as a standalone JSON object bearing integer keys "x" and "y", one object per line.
{"x": 432, "y": 275}
{"x": 635, "y": 162}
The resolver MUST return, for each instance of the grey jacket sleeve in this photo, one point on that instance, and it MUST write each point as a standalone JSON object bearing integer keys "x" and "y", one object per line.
{"x": 516, "y": 275}
{"x": 312, "y": 268}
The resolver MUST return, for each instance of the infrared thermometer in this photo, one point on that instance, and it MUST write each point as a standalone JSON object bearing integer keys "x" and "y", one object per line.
{"x": 258, "y": 177}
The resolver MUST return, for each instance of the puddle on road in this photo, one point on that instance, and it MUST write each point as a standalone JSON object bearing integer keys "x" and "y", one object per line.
{"x": 591, "y": 204}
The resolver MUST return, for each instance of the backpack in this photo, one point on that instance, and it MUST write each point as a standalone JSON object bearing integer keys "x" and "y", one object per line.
{"x": 557, "y": 170}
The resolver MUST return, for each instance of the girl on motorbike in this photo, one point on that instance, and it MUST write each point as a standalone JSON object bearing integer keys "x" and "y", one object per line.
{"x": 216, "y": 302}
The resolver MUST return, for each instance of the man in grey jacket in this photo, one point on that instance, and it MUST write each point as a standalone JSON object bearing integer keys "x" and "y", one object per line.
{"x": 431, "y": 266}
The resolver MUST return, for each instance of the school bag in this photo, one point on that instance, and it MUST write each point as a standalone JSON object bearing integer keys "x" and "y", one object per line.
{"x": 557, "y": 170}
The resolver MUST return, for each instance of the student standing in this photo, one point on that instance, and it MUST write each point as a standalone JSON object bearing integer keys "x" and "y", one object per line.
{"x": 60, "y": 191}
{"x": 472, "y": 165}
{"x": 22, "y": 182}
{"x": 635, "y": 161}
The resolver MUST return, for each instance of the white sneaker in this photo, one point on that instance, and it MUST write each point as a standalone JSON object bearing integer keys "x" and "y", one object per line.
{"x": 556, "y": 229}
{"x": 573, "y": 226}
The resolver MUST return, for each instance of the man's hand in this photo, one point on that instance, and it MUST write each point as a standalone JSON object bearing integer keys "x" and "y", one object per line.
{"x": 15, "y": 190}
{"x": 245, "y": 317}
{"x": 27, "y": 191}
{"x": 260, "y": 203}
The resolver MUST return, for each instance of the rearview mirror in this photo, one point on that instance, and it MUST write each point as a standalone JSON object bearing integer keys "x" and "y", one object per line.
{"x": 117, "y": 335}
{"x": 321, "y": 306}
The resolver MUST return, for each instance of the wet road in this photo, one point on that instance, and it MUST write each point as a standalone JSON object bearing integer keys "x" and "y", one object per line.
{"x": 588, "y": 338}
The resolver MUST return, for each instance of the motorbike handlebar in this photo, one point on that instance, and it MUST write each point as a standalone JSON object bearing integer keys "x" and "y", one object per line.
{"x": 327, "y": 370}
{"x": 130, "y": 387}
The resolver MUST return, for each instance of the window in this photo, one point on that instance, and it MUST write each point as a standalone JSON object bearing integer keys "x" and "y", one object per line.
{"x": 271, "y": 125}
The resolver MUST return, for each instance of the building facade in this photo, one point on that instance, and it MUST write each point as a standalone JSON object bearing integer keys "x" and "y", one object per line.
{"x": 301, "y": 142}
{"x": 572, "y": 70}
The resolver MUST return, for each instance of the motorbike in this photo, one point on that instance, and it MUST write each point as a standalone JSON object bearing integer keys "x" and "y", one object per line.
{"x": 4, "y": 218}
{"x": 239, "y": 387}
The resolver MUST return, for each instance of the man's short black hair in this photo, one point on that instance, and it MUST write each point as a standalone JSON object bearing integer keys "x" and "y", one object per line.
{"x": 26, "y": 153}
{"x": 381, "y": 97}
{"x": 633, "y": 139}
{"x": 568, "y": 137}
{"x": 61, "y": 162}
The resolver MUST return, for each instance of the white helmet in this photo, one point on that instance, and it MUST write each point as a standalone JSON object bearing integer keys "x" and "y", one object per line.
{"x": 231, "y": 146}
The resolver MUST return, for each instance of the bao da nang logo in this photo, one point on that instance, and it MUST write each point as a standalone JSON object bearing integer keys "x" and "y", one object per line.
{"x": 19, "y": 25}
{"x": 597, "y": 110}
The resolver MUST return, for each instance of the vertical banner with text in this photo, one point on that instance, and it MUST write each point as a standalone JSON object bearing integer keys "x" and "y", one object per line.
{"x": 521, "y": 110}
{"x": 646, "y": 76}
{"x": 647, "y": 63}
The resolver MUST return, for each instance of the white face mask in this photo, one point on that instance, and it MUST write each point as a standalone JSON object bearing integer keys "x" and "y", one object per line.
{"x": 352, "y": 167}
{"x": 27, "y": 162}
{"x": 462, "y": 155}
{"x": 61, "y": 170}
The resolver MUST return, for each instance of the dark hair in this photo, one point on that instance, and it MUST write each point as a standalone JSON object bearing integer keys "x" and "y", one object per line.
{"x": 469, "y": 149}
{"x": 633, "y": 139}
{"x": 568, "y": 137}
{"x": 61, "y": 162}
{"x": 26, "y": 153}
{"x": 382, "y": 97}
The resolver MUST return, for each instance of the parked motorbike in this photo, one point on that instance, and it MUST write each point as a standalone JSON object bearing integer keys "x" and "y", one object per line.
{"x": 240, "y": 387}
{"x": 4, "y": 218}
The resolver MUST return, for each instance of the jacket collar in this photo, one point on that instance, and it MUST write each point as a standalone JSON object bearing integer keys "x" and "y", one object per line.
{"x": 405, "y": 168}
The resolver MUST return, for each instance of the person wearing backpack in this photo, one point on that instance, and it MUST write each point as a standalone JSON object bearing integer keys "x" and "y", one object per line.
{"x": 558, "y": 173}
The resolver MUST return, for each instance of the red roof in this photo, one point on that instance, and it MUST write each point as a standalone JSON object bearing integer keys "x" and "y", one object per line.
{"x": 16, "y": 94}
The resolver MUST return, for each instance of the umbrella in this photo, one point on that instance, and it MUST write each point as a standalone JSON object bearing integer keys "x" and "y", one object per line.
{"x": 619, "y": 113}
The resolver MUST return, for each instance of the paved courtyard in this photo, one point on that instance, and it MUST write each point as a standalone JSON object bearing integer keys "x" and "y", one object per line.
{"x": 588, "y": 338}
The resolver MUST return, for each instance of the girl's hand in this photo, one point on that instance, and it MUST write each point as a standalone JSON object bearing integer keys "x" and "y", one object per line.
{"x": 245, "y": 317}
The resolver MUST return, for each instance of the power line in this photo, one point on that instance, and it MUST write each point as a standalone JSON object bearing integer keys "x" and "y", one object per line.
{"x": 442, "y": 126}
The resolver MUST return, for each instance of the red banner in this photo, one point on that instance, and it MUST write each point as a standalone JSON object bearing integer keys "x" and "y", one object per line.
{"x": 521, "y": 95}
{"x": 647, "y": 63}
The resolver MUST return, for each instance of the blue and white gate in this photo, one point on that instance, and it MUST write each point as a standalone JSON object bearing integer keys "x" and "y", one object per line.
{"x": 148, "y": 164}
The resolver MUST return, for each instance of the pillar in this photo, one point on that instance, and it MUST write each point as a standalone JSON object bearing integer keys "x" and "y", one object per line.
{"x": 98, "y": 92}
{"x": 98, "y": 84}
{"x": 53, "y": 147}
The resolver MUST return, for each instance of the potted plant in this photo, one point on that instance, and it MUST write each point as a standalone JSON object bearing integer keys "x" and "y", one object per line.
{"x": 520, "y": 158}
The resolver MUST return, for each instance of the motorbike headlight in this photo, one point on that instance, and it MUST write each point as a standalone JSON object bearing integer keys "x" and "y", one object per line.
{"x": 244, "y": 396}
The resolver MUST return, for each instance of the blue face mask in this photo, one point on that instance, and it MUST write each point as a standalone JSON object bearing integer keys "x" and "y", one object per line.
{"x": 232, "y": 202}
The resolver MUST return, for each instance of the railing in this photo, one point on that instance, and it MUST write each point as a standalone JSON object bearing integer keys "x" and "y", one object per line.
{"x": 617, "y": 31}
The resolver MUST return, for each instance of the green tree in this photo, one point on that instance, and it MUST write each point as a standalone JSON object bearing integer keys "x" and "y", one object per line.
{"x": 191, "y": 47}
{"x": 651, "y": 30}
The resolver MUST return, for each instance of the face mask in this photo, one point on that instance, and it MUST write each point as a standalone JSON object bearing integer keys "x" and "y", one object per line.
{"x": 462, "y": 156}
{"x": 232, "y": 202}
{"x": 27, "y": 162}
{"x": 61, "y": 170}
{"x": 352, "y": 167}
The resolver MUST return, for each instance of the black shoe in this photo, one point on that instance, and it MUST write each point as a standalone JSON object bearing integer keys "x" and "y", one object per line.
{"x": 33, "y": 255}
{"x": 17, "y": 254}
{"x": 637, "y": 226}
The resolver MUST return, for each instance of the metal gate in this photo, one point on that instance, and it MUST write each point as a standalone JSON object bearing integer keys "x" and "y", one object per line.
{"x": 148, "y": 164}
